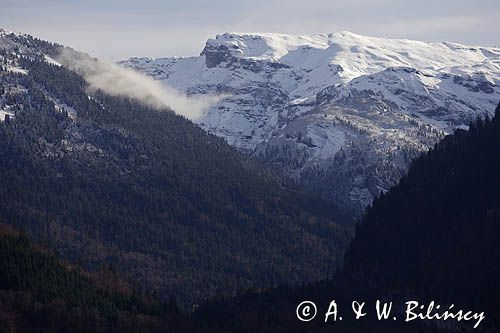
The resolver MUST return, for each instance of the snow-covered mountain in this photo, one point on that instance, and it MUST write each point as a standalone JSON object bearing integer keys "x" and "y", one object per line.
{"x": 343, "y": 113}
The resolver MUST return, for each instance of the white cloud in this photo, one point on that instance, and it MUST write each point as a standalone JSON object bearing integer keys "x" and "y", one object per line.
{"x": 118, "y": 81}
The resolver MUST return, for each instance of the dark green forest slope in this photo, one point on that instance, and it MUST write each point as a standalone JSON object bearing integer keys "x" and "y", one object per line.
{"x": 433, "y": 237}
{"x": 105, "y": 179}
{"x": 40, "y": 294}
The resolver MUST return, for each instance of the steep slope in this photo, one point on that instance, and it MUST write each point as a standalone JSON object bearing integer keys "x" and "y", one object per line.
{"x": 41, "y": 294}
{"x": 433, "y": 237}
{"x": 445, "y": 213}
{"x": 343, "y": 113}
{"x": 106, "y": 179}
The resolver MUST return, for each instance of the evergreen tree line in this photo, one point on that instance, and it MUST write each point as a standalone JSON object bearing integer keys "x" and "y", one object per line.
{"x": 38, "y": 293}
{"x": 173, "y": 208}
{"x": 432, "y": 237}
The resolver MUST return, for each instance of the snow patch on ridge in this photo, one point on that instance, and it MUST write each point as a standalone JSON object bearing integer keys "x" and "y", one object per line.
{"x": 352, "y": 109}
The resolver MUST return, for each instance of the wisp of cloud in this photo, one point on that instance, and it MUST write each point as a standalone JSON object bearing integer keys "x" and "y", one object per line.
{"x": 119, "y": 81}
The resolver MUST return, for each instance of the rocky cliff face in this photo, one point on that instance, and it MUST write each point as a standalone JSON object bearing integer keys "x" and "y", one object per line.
{"x": 342, "y": 113}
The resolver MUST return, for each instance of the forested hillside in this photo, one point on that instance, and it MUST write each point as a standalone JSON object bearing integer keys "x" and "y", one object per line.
{"x": 39, "y": 293}
{"x": 433, "y": 237}
{"x": 105, "y": 179}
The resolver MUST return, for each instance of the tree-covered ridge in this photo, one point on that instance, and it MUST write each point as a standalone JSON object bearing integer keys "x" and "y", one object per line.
{"x": 433, "y": 237}
{"x": 170, "y": 206}
{"x": 39, "y": 293}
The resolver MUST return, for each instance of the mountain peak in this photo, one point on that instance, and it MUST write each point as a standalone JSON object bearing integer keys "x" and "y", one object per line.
{"x": 264, "y": 46}
{"x": 356, "y": 54}
{"x": 290, "y": 100}
{"x": 4, "y": 32}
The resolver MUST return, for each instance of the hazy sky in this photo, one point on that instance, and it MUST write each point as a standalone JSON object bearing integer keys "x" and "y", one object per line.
{"x": 118, "y": 29}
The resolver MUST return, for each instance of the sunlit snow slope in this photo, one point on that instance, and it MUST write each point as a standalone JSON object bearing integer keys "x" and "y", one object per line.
{"x": 343, "y": 113}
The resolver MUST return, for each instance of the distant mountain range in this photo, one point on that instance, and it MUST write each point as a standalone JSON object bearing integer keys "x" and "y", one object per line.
{"x": 343, "y": 113}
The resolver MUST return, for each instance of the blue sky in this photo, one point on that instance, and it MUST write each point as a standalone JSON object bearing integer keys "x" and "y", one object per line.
{"x": 114, "y": 29}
